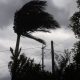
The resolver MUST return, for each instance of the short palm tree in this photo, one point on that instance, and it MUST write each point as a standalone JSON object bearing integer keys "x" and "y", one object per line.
{"x": 32, "y": 17}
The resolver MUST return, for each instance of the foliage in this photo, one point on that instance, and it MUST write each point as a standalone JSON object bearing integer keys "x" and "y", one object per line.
{"x": 32, "y": 17}
{"x": 78, "y": 2}
{"x": 76, "y": 51}
{"x": 75, "y": 21}
{"x": 72, "y": 71}
{"x": 62, "y": 60}
{"x": 25, "y": 69}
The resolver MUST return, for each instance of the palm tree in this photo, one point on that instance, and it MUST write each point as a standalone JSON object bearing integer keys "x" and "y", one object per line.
{"x": 32, "y": 17}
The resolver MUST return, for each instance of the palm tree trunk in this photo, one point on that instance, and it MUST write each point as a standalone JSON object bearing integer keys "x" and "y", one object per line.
{"x": 16, "y": 54}
{"x": 17, "y": 44}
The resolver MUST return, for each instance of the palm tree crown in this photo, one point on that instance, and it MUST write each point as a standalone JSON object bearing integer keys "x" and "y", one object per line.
{"x": 32, "y": 17}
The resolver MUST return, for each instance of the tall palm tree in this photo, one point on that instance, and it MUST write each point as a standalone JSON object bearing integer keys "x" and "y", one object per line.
{"x": 32, "y": 17}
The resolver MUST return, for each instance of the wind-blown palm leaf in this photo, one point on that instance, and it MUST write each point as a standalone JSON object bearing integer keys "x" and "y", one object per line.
{"x": 35, "y": 38}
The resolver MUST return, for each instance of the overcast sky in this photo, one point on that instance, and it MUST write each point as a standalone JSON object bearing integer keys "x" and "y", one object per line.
{"x": 63, "y": 37}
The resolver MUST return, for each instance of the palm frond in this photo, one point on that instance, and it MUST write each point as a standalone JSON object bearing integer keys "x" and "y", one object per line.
{"x": 35, "y": 38}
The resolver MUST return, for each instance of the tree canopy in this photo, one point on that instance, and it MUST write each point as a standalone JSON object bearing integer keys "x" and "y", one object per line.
{"x": 75, "y": 21}
{"x": 32, "y": 17}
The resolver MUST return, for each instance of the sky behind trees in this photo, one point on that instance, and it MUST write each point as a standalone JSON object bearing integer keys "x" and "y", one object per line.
{"x": 63, "y": 37}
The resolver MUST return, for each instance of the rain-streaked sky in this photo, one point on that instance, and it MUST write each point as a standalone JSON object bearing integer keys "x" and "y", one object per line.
{"x": 63, "y": 37}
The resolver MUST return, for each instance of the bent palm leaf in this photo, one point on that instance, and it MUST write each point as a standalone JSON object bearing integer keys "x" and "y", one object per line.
{"x": 35, "y": 38}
